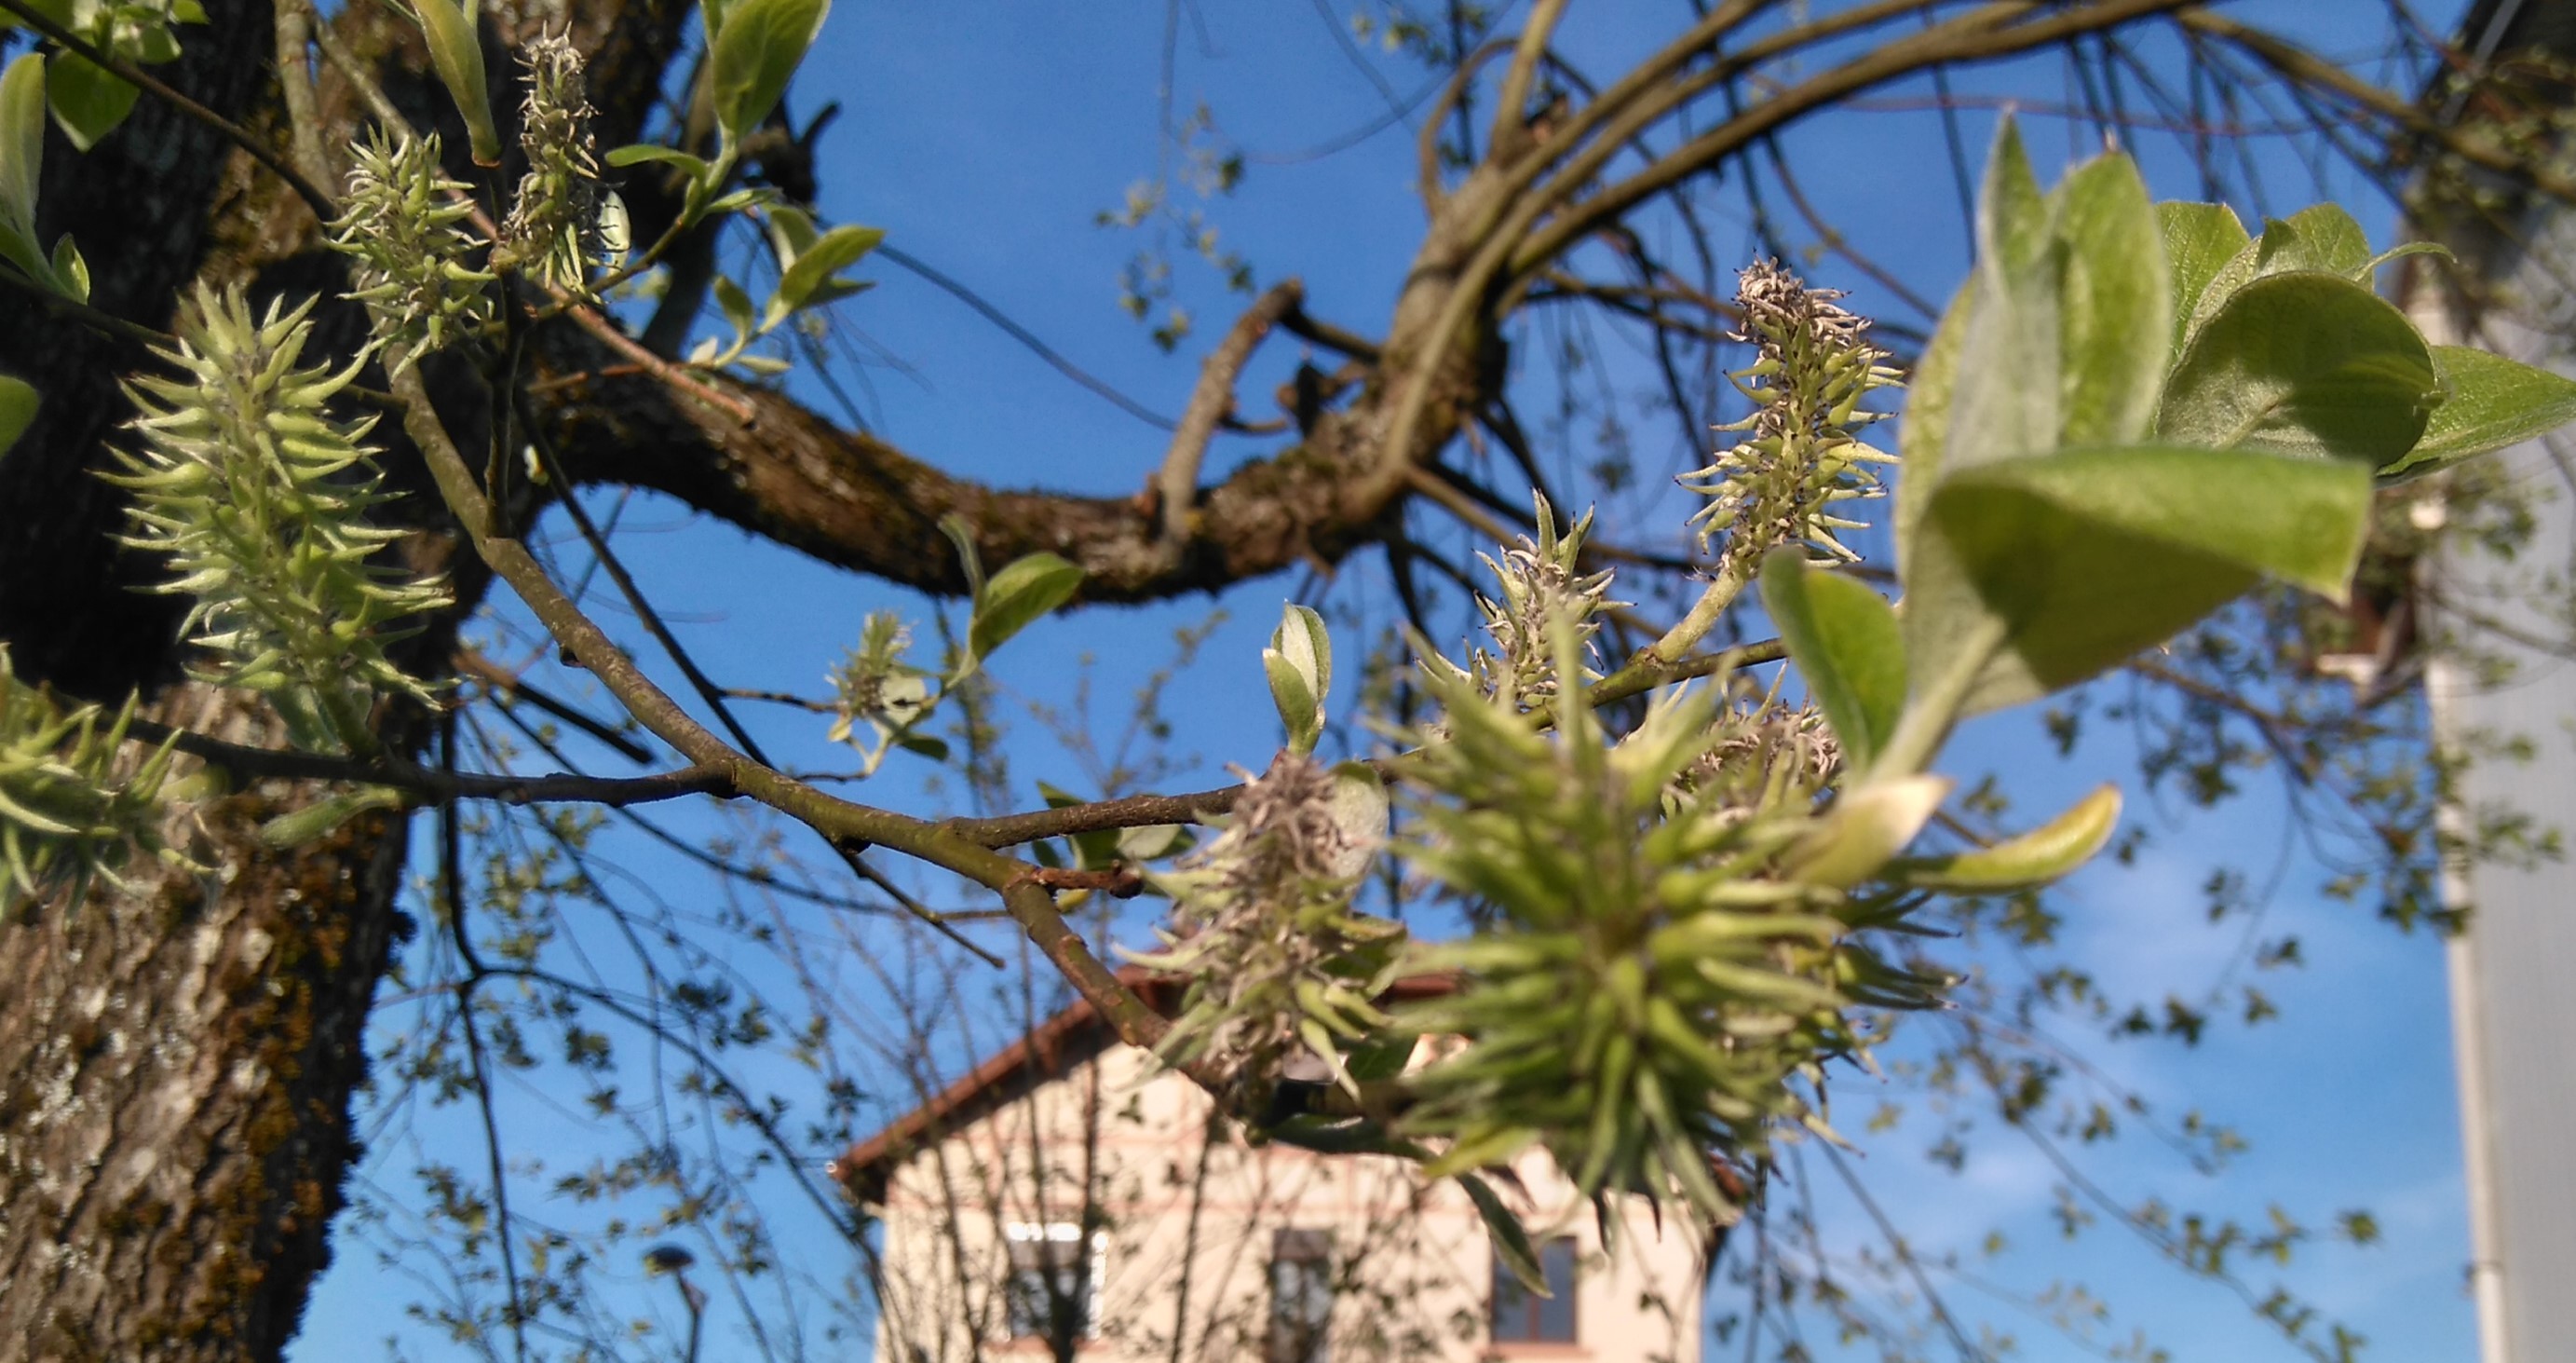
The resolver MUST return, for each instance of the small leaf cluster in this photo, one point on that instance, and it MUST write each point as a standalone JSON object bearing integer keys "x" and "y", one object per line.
{"x": 87, "y": 100}
{"x": 69, "y": 811}
{"x": 22, "y": 165}
{"x": 258, "y": 497}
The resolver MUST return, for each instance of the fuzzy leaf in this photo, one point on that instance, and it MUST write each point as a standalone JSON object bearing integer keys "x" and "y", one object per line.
{"x": 2115, "y": 314}
{"x": 2199, "y": 241}
{"x": 2303, "y": 363}
{"x": 2034, "y": 859}
{"x": 2082, "y": 558}
{"x": 2494, "y": 402}
{"x": 1847, "y": 644}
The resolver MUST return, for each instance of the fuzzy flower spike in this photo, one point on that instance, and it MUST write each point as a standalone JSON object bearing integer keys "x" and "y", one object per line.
{"x": 1801, "y": 456}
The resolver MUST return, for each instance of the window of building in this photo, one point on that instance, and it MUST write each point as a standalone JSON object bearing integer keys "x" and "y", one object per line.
{"x": 1521, "y": 1315}
{"x": 1301, "y": 1295}
{"x": 1051, "y": 1273}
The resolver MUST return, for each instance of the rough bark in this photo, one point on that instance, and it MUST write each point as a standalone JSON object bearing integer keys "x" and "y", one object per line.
{"x": 174, "y": 1117}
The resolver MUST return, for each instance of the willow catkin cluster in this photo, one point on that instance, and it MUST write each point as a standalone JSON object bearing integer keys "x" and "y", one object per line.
{"x": 1655, "y": 981}
{"x": 412, "y": 259}
{"x": 1542, "y": 581}
{"x": 1278, "y": 959}
{"x": 67, "y": 812}
{"x": 1801, "y": 455}
{"x": 552, "y": 232}
{"x": 258, "y": 498}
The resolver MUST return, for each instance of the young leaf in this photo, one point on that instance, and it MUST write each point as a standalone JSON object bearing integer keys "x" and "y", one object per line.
{"x": 1299, "y": 663}
{"x": 638, "y": 153}
{"x": 2199, "y": 241}
{"x": 2012, "y": 217}
{"x": 17, "y": 410}
{"x": 22, "y": 156}
{"x": 2115, "y": 311}
{"x": 88, "y": 100}
{"x": 1359, "y": 808}
{"x": 456, "y": 51}
{"x": 325, "y": 814}
{"x": 815, "y": 264}
{"x": 2029, "y": 861}
{"x": 2321, "y": 237}
{"x": 1845, "y": 640}
{"x": 2303, "y": 363}
{"x": 753, "y": 56}
{"x": 2494, "y": 402}
{"x": 1299, "y": 708}
{"x": 1923, "y": 432}
{"x": 1024, "y": 590}
{"x": 2082, "y": 558}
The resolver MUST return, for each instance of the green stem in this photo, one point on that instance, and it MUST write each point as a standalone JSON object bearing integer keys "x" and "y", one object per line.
{"x": 1706, "y": 612}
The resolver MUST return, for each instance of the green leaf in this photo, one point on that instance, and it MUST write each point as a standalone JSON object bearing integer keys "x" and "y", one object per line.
{"x": 1923, "y": 432}
{"x": 22, "y": 144}
{"x": 71, "y": 273}
{"x": 638, "y": 153}
{"x": 2199, "y": 241}
{"x": 1299, "y": 707}
{"x": 1512, "y": 1247}
{"x": 2494, "y": 402}
{"x": 816, "y": 263}
{"x": 2322, "y": 237}
{"x": 456, "y": 51}
{"x": 969, "y": 563}
{"x": 735, "y": 305}
{"x": 1299, "y": 663}
{"x": 2304, "y": 363}
{"x": 18, "y": 401}
{"x": 754, "y": 54}
{"x": 2084, "y": 557}
{"x": 2115, "y": 318}
{"x": 791, "y": 234}
{"x": 2034, "y": 859}
{"x": 87, "y": 99}
{"x": 1024, "y": 590}
{"x": 1846, "y": 642}
{"x": 2004, "y": 401}
{"x": 2012, "y": 216}
{"x": 326, "y": 814}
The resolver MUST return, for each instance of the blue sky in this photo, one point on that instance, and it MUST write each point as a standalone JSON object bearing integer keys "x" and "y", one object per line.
{"x": 984, "y": 138}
